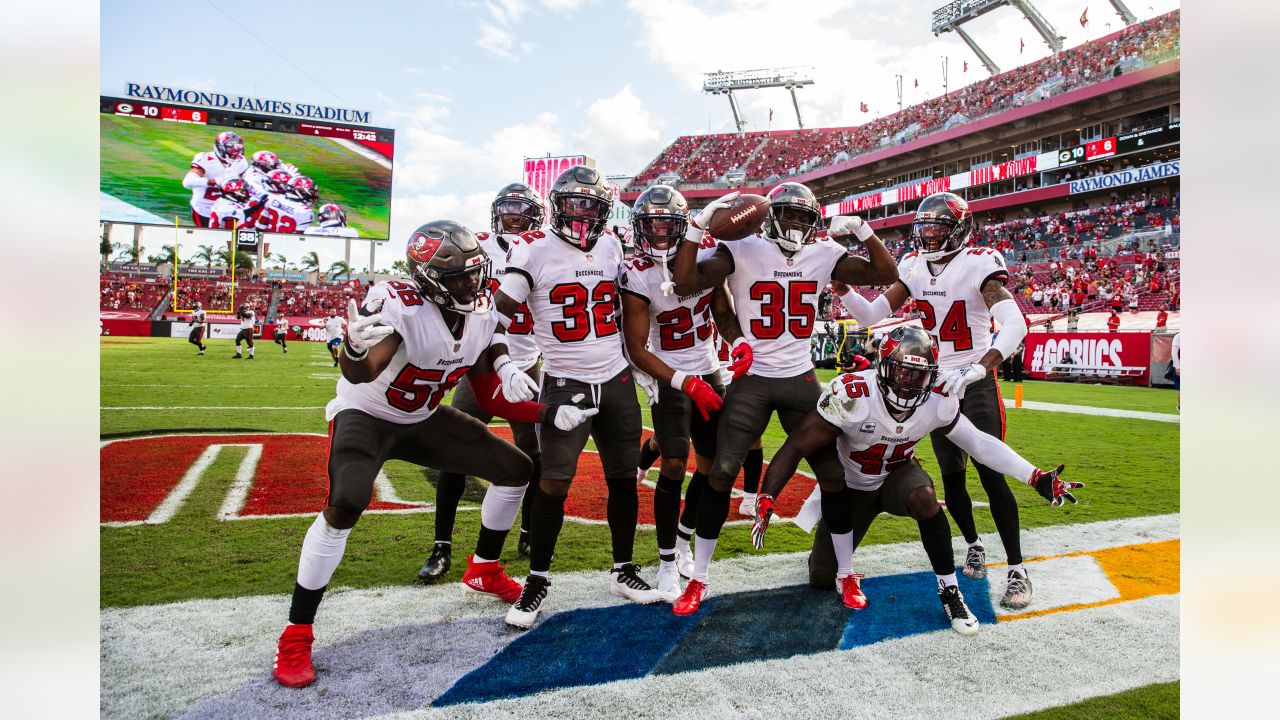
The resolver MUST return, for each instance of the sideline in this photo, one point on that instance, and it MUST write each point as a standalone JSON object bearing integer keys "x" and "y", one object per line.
{"x": 1091, "y": 410}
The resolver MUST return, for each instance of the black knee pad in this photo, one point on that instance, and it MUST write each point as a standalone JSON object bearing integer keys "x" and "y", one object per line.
{"x": 669, "y": 485}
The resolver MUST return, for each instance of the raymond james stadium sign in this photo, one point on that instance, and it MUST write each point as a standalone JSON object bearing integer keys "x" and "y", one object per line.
{"x": 1158, "y": 171}
{"x": 159, "y": 93}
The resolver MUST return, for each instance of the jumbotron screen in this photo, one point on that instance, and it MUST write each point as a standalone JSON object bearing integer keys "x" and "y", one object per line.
{"x": 160, "y": 162}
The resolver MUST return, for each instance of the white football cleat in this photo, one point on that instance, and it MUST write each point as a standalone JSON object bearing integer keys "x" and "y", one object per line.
{"x": 684, "y": 562}
{"x": 669, "y": 582}
{"x": 626, "y": 582}
{"x": 962, "y": 621}
{"x": 524, "y": 613}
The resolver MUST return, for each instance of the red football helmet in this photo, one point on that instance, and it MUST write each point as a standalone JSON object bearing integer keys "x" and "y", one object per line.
{"x": 266, "y": 161}
{"x": 331, "y": 215}
{"x": 229, "y": 146}
{"x": 303, "y": 188}
{"x": 279, "y": 181}
{"x": 236, "y": 189}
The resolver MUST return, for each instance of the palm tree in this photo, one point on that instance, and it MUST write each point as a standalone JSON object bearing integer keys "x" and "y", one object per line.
{"x": 310, "y": 261}
{"x": 339, "y": 268}
{"x": 244, "y": 261}
{"x": 205, "y": 254}
{"x": 222, "y": 256}
{"x": 128, "y": 253}
{"x": 105, "y": 247}
{"x": 165, "y": 256}
{"x": 284, "y": 261}
{"x": 400, "y": 267}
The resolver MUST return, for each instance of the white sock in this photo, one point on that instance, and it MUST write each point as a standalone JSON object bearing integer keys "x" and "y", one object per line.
{"x": 976, "y": 543}
{"x": 476, "y": 560}
{"x": 703, "y": 549}
{"x": 618, "y": 565}
{"x": 541, "y": 573}
{"x": 255, "y": 347}
{"x": 322, "y": 549}
{"x": 500, "y": 505}
{"x": 1018, "y": 569}
{"x": 843, "y": 544}
{"x": 945, "y": 581}
{"x": 748, "y": 497}
{"x": 681, "y": 544}
{"x": 666, "y": 564}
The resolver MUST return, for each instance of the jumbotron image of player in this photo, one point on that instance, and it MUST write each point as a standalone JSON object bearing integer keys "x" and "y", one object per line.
{"x": 408, "y": 344}
{"x": 333, "y": 223}
{"x": 874, "y": 419}
{"x": 210, "y": 170}
{"x": 959, "y": 291}
{"x": 196, "y": 337}
{"x": 247, "y": 320}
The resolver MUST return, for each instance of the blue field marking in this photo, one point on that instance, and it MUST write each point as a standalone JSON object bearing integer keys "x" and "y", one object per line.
{"x": 577, "y": 647}
{"x": 902, "y": 605}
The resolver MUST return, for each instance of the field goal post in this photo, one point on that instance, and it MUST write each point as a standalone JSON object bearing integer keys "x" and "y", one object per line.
{"x": 850, "y": 330}
{"x": 235, "y": 240}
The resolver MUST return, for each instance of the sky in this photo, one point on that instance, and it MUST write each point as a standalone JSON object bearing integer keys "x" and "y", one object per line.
{"x": 473, "y": 87}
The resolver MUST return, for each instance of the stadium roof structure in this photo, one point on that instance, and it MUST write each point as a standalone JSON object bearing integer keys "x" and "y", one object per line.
{"x": 725, "y": 82}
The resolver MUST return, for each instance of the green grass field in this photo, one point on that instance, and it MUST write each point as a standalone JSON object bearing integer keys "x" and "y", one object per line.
{"x": 143, "y": 163}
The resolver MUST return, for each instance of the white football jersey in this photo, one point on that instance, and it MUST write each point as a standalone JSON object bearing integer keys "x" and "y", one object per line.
{"x": 574, "y": 296}
{"x": 682, "y": 333}
{"x": 522, "y": 347}
{"x": 333, "y": 328}
{"x": 202, "y": 198}
{"x": 776, "y": 300}
{"x": 197, "y": 317}
{"x": 226, "y": 213}
{"x": 872, "y": 442}
{"x": 332, "y": 231}
{"x": 259, "y": 182}
{"x": 284, "y": 215}
{"x": 426, "y": 366}
{"x": 950, "y": 302}
{"x": 247, "y": 321}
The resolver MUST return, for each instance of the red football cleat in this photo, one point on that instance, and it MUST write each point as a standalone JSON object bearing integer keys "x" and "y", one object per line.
{"x": 691, "y": 599}
{"x": 490, "y": 578}
{"x": 851, "y": 591}
{"x": 293, "y": 657}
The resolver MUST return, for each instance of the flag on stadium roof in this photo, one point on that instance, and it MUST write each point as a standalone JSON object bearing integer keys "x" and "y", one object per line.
{"x": 1084, "y": 17}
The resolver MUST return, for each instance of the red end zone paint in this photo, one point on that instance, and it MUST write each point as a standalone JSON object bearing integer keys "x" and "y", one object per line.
{"x": 138, "y": 474}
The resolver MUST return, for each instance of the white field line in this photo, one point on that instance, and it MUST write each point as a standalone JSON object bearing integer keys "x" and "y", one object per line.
{"x": 1091, "y": 410}
{"x": 178, "y": 495}
{"x": 211, "y": 407}
{"x": 158, "y": 660}
{"x": 363, "y": 151}
{"x": 234, "y": 501}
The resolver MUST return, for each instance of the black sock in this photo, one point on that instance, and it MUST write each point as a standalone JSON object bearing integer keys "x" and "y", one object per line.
{"x": 689, "y": 515}
{"x": 1004, "y": 510}
{"x": 526, "y": 506}
{"x": 935, "y": 533}
{"x": 713, "y": 510}
{"x": 302, "y": 611}
{"x": 837, "y": 510}
{"x": 960, "y": 506}
{"x": 449, "y": 487}
{"x": 547, "y": 518}
{"x": 649, "y": 454}
{"x": 489, "y": 546}
{"x": 621, "y": 510}
{"x": 666, "y": 511}
{"x": 751, "y": 469}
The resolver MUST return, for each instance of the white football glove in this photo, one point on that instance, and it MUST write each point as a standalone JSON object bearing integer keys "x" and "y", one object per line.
{"x": 958, "y": 380}
{"x": 647, "y": 384}
{"x": 568, "y": 417}
{"x": 363, "y": 331}
{"x": 703, "y": 218}
{"x": 516, "y": 385}
{"x": 845, "y": 225}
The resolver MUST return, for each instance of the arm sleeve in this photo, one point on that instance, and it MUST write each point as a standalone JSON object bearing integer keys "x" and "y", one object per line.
{"x": 989, "y": 450}
{"x": 517, "y": 282}
{"x": 484, "y": 388}
{"x": 866, "y": 312}
{"x": 1013, "y": 330}
{"x": 192, "y": 181}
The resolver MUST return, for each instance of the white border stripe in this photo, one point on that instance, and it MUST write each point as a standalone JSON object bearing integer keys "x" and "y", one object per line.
{"x": 1091, "y": 410}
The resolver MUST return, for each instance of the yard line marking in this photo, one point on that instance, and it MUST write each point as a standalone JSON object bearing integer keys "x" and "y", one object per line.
{"x": 172, "y": 502}
{"x": 1091, "y": 410}
{"x": 239, "y": 492}
{"x": 212, "y": 407}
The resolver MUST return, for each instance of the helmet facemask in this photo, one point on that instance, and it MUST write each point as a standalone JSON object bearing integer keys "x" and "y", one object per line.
{"x": 515, "y": 215}
{"x": 462, "y": 290}
{"x": 792, "y": 226}
{"x": 229, "y": 146}
{"x": 905, "y": 383}
{"x": 937, "y": 238}
{"x": 579, "y": 218}
{"x": 657, "y": 235}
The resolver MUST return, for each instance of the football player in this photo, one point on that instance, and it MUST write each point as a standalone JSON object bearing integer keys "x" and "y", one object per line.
{"x": 247, "y": 320}
{"x": 516, "y": 209}
{"x": 282, "y": 333}
{"x": 333, "y": 328}
{"x": 774, "y": 278}
{"x": 289, "y": 212}
{"x": 959, "y": 291}
{"x": 231, "y": 208}
{"x": 874, "y": 419}
{"x": 671, "y": 338}
{"x": 258, "y": 176}
{"x": 407, "y": 345}
{"x": 197, "y": 328}
{"x": 209, "y": 171}
{"x": 567, "y": 272}
{"x": 333, "y": 222}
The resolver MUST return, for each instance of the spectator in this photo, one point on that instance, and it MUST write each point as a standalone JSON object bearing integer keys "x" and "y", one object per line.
{"x": 1162, "y": 319}
{"x": 1113, "y": 322}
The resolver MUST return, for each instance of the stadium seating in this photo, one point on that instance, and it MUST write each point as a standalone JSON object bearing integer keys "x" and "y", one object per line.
{"x": 315, "y": 300}
{"x": 765, "y": 155}
{"x": 215, "y": 295}
{"x": 131, "y": 293}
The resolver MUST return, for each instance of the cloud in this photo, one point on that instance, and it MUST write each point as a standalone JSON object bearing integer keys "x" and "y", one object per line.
{"x": 562, "y": 5}
{"x": 496, "y": 41}
{"x": 412, "y": 71}
{"x": 407, "y": 213}
{"x": 620, "y": 132}
{"x": 507, "y": 12}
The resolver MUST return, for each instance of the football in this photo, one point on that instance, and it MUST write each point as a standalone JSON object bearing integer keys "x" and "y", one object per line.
{"x": 742, "y": 218}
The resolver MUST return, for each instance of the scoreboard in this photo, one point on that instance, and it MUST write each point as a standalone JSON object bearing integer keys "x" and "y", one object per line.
{"x": 172, "y": 113}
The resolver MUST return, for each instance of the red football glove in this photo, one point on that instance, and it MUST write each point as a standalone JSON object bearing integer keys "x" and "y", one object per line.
{"x": 740, "y": 357}
{"x": 764, "y": 511}
{"x": 704, "y": 396}
{"x": 1053, "y": 488}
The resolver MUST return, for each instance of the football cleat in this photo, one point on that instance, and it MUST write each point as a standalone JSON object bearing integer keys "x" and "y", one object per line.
{"x": 691, "y": 599}
{"x": 962, "y": 621}
{"x": 490, "y": 578}
{"x": 747, "y": 508}
{"x": 1017, "y": 593}
{"x": 975, "y": 562}
{"x": 850, "y": 589}
{"x": 237, "y": 356}
{"x": 626, "y": 582}
{"x": 437, "y": 563}
{"x": 684, "y": 562}
{"x": 292, "y": 667}
{"x": 524, "y": 613}
{"x": 669, "y": 582}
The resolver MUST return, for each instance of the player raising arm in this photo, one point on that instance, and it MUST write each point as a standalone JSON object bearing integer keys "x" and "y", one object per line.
{"x": 874, "y": 419}
{"x": 958, "y": 291}
{"x": 209, "y": 171}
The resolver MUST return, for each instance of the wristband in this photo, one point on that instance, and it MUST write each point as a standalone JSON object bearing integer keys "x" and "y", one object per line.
{"x": 351, "y": 353}
{"x": 501, "y": 362}
{"x": 678, "y": 379}
{"x": 694, "y": 233}
{"x": 864, "y": 232}
{"x": 740, "y": 341}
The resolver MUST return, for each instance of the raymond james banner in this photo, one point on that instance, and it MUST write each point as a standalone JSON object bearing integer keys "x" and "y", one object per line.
{"x": 1157, "y": 171}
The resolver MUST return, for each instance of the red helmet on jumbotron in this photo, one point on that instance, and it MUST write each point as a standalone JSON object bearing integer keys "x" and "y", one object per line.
{"x": 266, "y": 161}
{"x": 229, "y": 146}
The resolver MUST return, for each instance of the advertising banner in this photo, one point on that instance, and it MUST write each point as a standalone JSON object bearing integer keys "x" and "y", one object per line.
{"x": 539, "y": 173}
{"x": 1093, "y": 355}
{"x": 1128, "y": 176}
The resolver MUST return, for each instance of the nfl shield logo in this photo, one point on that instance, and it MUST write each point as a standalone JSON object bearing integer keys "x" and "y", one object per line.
{"x": 457, "y": 346}
{"x": 899, "y": 430}
{"x": 790, "y": 262}
{"x": 559, "y": 382}
{"x": 933, "y": 281}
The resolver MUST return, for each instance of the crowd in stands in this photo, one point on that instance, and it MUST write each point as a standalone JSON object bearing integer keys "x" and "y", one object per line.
{"x": 702, "y": 159}
{"x": 130, "y": 293}
{"x": 216, "y": 295}
{"x": 316, "y": 301}
{"x": 1075, "y": 232}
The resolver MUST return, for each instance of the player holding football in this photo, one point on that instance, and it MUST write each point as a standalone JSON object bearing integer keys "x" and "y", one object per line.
{"x": 333, "y": 223}
{"x": 959, "y": 291}
{"x": 516, "y": 209}
{"x": 671, "y": 338}
{"x": 406, "y": 347}
{"x": 197, "y": 328}
{"x": 567, "y": 272}
{"x": 874, "y": 419}
{"x": 333, "y": 328}
{"x": 210, "y": 170}
{"x": 774, "y": 278}
{"x": 247, "y": 321}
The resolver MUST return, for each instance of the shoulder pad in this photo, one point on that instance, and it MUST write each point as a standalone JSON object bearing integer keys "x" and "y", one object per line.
{"x": 837, "y": 408}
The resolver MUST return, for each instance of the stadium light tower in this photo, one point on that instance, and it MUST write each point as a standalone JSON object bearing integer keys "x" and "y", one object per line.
{"x": 1124, "y": 13}
{"x": 954, "y": 14}
{"x": 724, "y": 83}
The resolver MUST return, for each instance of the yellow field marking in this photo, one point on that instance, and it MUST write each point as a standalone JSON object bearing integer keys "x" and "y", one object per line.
{"x": 1137, "y": 571}
{"x": 177, "y": 148}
